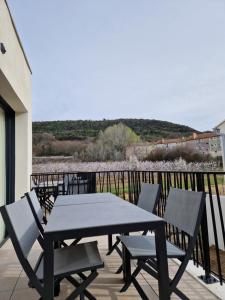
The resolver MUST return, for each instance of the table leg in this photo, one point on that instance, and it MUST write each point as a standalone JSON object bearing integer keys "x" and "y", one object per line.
{"x": 126, "y": 263}
{"x": 162, "y": 261}
{"x": 109, "y": 242}
{"x": 48, "y": 270}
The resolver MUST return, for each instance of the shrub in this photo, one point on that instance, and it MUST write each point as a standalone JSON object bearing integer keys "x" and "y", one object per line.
{"x": 46, "y": 145}
{"x": 186, "y": 153}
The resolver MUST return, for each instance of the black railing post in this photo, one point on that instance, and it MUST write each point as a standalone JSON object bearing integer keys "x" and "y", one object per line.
{"x": 207, "y": 278}
{"x": 93, "y": 183}
{"x": 129, "y": 186}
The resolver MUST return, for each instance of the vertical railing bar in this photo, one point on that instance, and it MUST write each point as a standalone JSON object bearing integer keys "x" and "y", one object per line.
{"x": 129, "y": 191}
{"x": 214, "y": 227}
{"x": 219, "y": 207}
{"x": 123, "y": 183}
{"x": 103, "y": 182}
{"x": 110, "y": 187}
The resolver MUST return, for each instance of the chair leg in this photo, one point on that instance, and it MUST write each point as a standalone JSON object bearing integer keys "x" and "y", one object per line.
{"x": 139, "y": 290}
{"x": 75, "y": 242}
{"x": 82, "y": 276}
{"x": 150, "y": 268}
{"x": 119, "y": 251}
{"x": 132, "y": 277}
{"x": 82, "y": 296}
{"x": 145, "y": 232}
{"x": 120, "y": 270}
{"x": 109, "y": 241}
{"x": 81, "y": 287}
{"x": 180, "y": 294}
{"x": 56, "y": 289}
{"x": 63, "y": 244}
{"x": 113, "y": 247}
{"x": 77, "y": 284}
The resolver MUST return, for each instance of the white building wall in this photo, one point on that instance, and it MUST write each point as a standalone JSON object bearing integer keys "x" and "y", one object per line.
{"x": 222, "y": 127}
{"x": 217, "y": 220}
{"x": 15, "y": 89}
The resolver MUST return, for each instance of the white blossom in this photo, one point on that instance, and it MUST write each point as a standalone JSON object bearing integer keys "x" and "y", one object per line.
{"x": 133, "y": 164}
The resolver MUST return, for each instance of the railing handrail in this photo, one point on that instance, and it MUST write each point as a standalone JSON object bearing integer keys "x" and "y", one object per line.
{"x": 162, "y": 171}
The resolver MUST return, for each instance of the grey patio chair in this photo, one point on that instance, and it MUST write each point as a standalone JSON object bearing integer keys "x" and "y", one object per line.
{"x": 184, "y": 211}
{"x": 23, "y": 232}
{"x": 39, "y": 216}
{"x": 148, "y": 200}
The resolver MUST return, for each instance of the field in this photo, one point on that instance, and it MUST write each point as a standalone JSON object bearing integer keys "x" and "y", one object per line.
{"x": 67, "y": 164}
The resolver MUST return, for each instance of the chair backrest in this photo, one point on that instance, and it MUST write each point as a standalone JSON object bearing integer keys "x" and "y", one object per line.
{"x": 149, "y": 196}
{"x": 35, "y": 208}
{"x": 23, "y": 232}
{"x": 21, "y": 226}
{"x": 184, "y": 210}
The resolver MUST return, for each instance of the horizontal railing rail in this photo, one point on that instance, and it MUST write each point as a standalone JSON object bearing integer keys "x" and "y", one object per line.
{"x": 210, "y": 247}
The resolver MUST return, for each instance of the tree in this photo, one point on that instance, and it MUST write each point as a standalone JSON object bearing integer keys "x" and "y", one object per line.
{"x": 42, "y": 143}
{"x": 112, "y": 143}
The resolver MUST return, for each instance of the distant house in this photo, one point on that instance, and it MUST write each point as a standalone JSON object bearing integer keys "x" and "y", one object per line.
{"x": 206, "y": 143}
{"x": 140, "y": 150}
{"x": 220, "y": 128}
{"x": 15, "y": 114}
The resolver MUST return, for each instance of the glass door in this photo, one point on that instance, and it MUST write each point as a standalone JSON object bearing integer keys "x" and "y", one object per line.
{"x": 2, "y": 169}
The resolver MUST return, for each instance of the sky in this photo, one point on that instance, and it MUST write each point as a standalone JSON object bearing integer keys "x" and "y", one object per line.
{"x": 151, "y": 59}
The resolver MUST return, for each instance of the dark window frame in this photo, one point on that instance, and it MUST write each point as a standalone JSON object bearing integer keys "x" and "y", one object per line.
{"x": 9, "y": 151}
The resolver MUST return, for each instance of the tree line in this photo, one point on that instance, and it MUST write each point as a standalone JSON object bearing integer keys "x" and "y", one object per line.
{"x": 110, "y": 145}
{"x": 146, "y": 129}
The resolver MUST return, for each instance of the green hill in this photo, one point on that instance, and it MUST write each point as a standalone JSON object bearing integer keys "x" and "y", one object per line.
{"x": 148, "y": 130}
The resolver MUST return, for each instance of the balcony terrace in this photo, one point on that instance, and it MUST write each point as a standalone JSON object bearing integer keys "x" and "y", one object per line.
{"x": 209, "y": 251}
{"x": 14, "y": 283}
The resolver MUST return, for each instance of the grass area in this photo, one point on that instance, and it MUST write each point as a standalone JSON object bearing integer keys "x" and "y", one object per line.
{"x": 214, "y": 261}
{"x": 120, "y": 187}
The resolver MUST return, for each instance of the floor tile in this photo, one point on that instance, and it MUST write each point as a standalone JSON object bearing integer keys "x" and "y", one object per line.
{"x": 105, "y": 287}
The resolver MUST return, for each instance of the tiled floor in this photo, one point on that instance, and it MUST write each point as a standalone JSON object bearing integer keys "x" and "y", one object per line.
{"x": 13, "y": 281}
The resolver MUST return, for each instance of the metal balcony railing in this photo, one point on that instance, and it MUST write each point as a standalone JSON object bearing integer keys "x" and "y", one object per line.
{"x": 210, "y": 247}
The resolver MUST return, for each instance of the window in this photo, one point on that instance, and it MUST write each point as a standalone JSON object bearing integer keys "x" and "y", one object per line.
{"x": 7, "y": 158}
{"x": 2, "y": 170}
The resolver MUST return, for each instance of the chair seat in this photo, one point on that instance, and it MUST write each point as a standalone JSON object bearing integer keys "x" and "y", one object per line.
{"x": 144, "y": 247}
{"x": 74, "y": 259}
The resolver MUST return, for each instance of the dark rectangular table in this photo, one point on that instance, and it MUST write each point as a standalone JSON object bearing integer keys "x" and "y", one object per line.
{"x": 85, "y": 199}
{"x": 102, "y": 218}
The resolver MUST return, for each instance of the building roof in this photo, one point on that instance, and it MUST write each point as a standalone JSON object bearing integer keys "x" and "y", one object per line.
{"x": 195, "y": 136}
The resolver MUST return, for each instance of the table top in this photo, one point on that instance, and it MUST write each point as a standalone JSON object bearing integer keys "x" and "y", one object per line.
{"x": 98, "y": 218}
{"x": 85, "y": 199}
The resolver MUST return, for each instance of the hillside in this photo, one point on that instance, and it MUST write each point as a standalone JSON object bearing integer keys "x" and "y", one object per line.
{"x": 148, "y": 130}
